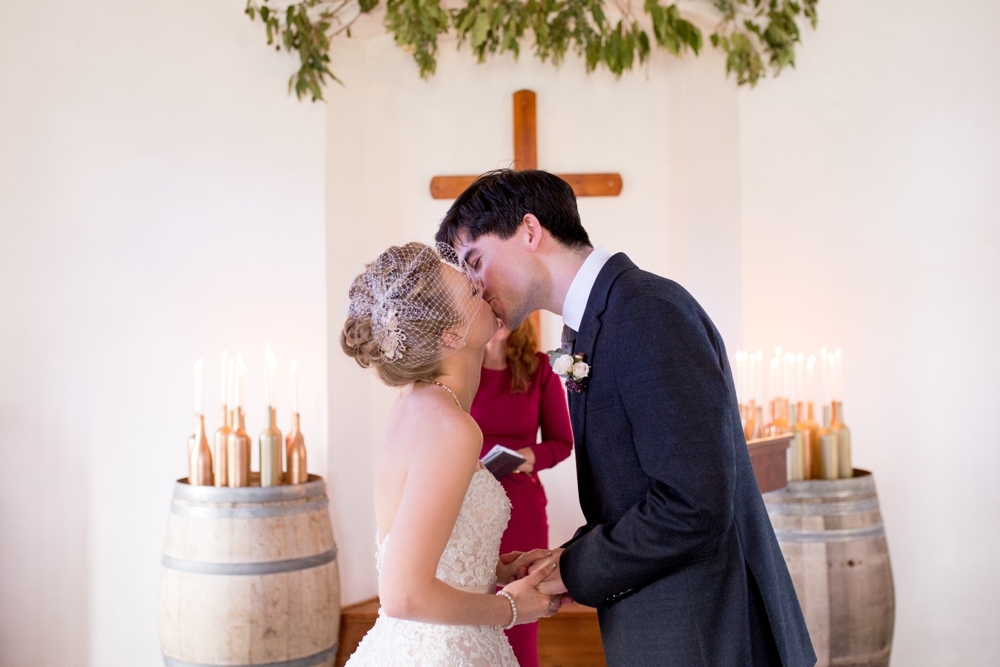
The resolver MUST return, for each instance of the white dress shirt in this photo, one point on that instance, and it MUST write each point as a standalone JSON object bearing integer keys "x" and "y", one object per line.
{"x": 579, "y": 290}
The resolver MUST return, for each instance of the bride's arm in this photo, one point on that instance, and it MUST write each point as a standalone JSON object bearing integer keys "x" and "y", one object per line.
{"x": 445, "y": 449}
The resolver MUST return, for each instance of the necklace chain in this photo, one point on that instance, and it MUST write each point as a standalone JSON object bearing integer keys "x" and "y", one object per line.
{"x": 447, "y": 389}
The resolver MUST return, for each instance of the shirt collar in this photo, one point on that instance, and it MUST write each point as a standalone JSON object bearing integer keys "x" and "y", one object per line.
{"x": 579, "y": 290}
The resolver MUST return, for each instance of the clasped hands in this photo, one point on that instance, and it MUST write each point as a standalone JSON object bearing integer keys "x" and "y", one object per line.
{"x": 538, "y": 573}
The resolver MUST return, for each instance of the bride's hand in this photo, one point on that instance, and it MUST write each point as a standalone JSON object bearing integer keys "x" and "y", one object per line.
{"x": 532, "y": 605}
{"x": 515, "y": 564}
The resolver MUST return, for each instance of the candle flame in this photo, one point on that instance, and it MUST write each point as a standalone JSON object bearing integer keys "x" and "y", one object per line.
{"x": 774, "y": 363}
{"x": 811, "y": 361}
{"x": 295, "y": 367}
{"x": 822, "y": 353}
{"x": 777, "y": 351}
{"x": 799, "y": 357}
{"x": 269, "y": 356}
{"x": 837, "y": 353}
{"x": 760, "y": 355}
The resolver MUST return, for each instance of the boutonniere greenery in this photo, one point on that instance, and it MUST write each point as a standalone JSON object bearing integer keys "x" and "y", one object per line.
{"x": 571, "y": 368}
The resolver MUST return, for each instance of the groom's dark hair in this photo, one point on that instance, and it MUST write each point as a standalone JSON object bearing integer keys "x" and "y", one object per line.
{"x": 497, "y": 202}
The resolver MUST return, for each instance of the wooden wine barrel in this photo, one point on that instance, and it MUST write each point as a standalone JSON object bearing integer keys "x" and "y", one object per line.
{"x": 833, "y": 540}
{"x": 249, "y": 577}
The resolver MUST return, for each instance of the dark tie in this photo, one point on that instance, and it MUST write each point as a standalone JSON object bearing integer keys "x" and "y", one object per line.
{"x": 568, "y": 339}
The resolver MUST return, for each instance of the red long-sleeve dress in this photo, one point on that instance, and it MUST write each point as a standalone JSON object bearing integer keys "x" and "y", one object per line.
{"x": 513, "y": 420}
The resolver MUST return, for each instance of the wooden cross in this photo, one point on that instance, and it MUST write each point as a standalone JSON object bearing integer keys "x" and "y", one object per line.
{"x": 526, "y": 157}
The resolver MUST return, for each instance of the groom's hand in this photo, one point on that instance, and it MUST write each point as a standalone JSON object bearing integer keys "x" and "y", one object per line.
{"x": 553, "y": 584}
{"x": 515, "y": 565}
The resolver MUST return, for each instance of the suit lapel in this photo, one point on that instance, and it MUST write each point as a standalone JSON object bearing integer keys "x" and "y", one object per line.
{"x": 590, "y": 325}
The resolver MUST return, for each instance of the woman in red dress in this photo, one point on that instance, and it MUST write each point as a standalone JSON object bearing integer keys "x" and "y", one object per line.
{"x": 519, "y": 393}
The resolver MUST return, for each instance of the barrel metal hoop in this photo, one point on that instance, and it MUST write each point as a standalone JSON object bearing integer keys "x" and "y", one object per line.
{"x": 308, "y": 661}
{"x": 250, "y": 494}
{"x": 251, "y": 512}
{"x": 266, "y": 567}
{"x": 824, "y": 509}
{"x": 837, "y": 535}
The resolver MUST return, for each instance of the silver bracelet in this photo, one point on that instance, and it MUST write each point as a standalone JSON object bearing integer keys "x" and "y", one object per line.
{"x": 513, "y": 609}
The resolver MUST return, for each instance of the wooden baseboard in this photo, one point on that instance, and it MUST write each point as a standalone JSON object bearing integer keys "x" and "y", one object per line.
{"x": 571, "y": 638}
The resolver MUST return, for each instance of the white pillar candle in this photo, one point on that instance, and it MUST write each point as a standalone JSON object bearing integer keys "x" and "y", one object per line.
{"x": 295, "y": 387}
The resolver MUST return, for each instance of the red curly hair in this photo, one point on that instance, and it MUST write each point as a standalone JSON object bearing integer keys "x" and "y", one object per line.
{"x": 522, "y": 345}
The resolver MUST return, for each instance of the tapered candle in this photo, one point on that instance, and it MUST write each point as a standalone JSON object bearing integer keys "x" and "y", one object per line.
{"x": 222, "y": 382}
{"x": 295, "y": 386}
{"x": 840, "y": 375}
{"x": 753, "y": 377}
{"x": 758, "y": 392}
{"x": 810, "y": 381}
{"x": 268, "y": 377}
{"x": 832, "y": 363}
{"x": 198, "y": 368}
{"x": 800, "y": 378}
{"x": 230, "y": 381}
{"x": 238, "y": 393}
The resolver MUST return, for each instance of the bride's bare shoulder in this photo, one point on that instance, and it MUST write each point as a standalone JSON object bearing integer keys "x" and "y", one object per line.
{"x": 427, "y": 422}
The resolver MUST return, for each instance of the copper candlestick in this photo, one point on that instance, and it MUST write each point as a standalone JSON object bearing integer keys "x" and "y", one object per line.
{"x": 296, "y": 471}
{"x": 750, "y": 420}
{"x": 801, "y": 426}
{"x": 270, "y": 452}
{"x": 238, "y": 451}
{"x": 796, "y": 449}
{"x": 815, "y": 453}
{"x": 221, "y": 444}
{"x": 200, "y": 456}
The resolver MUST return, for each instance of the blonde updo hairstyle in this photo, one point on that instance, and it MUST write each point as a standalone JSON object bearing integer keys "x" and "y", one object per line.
{"x": 402, "y": 311}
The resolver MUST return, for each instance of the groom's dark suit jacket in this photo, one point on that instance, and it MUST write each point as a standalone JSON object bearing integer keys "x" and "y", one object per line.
{"x": 678, "y": 554}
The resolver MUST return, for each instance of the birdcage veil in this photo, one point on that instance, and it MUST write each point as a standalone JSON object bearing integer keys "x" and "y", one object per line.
{"x": 421, "y": 302}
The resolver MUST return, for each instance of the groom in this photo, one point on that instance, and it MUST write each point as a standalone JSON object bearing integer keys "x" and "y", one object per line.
{"x": 678, "y": 554}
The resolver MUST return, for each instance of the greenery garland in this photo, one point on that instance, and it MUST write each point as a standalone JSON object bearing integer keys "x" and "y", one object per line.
{"x": 756, "y": 35}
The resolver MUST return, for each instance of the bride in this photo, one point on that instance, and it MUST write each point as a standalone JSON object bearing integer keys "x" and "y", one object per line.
{"x": 420, "y": 323}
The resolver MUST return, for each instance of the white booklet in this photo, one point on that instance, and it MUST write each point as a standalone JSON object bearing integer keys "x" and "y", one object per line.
{"x": 502, "y": 461}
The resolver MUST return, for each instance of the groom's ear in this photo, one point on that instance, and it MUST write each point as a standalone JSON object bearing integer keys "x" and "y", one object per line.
{"x": 532, "y": 231}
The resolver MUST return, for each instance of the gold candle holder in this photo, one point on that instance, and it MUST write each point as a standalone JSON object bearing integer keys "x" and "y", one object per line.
{"x": 200, "y": 456}
{"x": 221, "y": 443}
{"x": 815, "y": 452}
{"x": 296, "y": 471}
{"x": 238, "y": 451}
{"x": 796, "y": 470}
{"x": 270, "y": 452}
{"x": 829, "y": 447}
{"x": 837, "y": 426}
{"x": 801, "y": 426}
{"x": 749, "y": 420}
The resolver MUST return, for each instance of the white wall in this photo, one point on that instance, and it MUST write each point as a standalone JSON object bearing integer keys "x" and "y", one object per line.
{"x": 161, "y": 198}
{"x": 666, "y": 129}
{"x": 871, "y": 220}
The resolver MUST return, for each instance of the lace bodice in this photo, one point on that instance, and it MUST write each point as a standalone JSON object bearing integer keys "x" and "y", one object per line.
{"x": 470, "y": 557}
{"x": 469, "y": 561}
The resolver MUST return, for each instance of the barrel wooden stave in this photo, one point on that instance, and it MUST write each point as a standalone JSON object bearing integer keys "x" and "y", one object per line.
{"x": 831, "y": 534}
{"x": 245, "y": 590}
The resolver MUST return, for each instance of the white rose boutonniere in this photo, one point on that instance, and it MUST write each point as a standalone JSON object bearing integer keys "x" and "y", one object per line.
{"x": 571, "y": 368}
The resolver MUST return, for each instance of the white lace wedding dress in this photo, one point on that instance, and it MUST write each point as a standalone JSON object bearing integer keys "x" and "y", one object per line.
{"x": 469, "y": 563}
